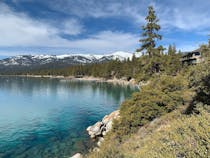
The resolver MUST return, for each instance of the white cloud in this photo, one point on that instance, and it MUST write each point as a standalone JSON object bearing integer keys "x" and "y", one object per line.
{"x": 19, "y": 30}
{"x": 102, "y": 9}
{"x": 72, "y": 27}
{"x": 184, "y": 15}
{"x": 188, "y": 15}
{"x": 106, "y": 41}
{"x": 188, "y": 45}
{"x": 185, "y": 20}
{"x": 101, "y": 43}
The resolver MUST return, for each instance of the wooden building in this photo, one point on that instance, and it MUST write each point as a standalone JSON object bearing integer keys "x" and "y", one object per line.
{"x": 190, "y": 58}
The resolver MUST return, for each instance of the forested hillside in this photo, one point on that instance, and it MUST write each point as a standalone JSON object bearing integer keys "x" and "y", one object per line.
{"x": 169, "y": 116}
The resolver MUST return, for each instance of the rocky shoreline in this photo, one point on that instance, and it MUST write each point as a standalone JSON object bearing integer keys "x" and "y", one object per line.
{"x": 100, "y": 129}
{"x": 122, "y": 81}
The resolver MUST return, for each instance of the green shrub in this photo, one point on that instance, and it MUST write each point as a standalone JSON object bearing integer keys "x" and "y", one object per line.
{"x": 199, "y": 81}
{"x": 161, "y": 96}
{"x": 172, "y": 135}
{"x": 184, "y": 136}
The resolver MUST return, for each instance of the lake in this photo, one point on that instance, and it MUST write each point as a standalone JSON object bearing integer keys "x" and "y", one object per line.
{"x": 47, "y": 118}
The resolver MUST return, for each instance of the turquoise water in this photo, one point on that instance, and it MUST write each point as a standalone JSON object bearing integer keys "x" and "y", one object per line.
{"x": 48, "y": 117}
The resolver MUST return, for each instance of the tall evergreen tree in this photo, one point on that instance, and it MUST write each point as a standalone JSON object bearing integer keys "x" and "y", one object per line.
{"x": 160, "y": 50}
{"x": 174, "y": 49}
{"x": 171, "y": 50}
{"x": 150, "y": 33}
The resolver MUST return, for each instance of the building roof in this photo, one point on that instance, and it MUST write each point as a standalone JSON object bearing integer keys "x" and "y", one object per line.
{"x": 188, "y": 54}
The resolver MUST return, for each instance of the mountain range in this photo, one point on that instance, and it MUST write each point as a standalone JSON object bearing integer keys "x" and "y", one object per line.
{"x": 30, "y": 62}
{"x": 66, "y": 59}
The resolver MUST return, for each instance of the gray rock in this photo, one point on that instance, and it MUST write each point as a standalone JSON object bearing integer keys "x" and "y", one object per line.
{"x": 100, "y": 140}
{"x": 101, "y": 128}
{"x": 95, "y": 130}
{"x": 77, "y": 155}
{"x": 109, "y": 126}
{"x": 105, "y": 119}
{"x": 104, "y": 133}
{"x": 96, "y": 149}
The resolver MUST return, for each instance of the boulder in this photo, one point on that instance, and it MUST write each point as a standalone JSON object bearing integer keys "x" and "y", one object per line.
{"x": 109, "y": 125}
{"x": 104, "y": 133}
{"x": 102, "y": 127}
{"x": 105, "y": 120}
{"x": 96, "y": 149}
{"x": 95, "y": 130}
{"x": 77, "y": 155}
{"x": 100, "y": 140}
{"x": 132, "y": 81}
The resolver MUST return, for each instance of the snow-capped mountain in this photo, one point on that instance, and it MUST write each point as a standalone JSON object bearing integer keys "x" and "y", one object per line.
{"x": 66, "y": 59}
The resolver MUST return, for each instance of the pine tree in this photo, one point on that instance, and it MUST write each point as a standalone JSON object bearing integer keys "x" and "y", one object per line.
{"x": 171, "y": 50}
{"x": 160, "y": 50}
{"x": 174, "y": 49}
{"x": 150, "y": 33}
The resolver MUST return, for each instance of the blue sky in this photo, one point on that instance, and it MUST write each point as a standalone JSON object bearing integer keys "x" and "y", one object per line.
{"x": 97, "y": 26}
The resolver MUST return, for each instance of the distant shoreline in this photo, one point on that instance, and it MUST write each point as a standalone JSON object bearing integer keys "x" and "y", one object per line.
{"x": 131, "y": 82}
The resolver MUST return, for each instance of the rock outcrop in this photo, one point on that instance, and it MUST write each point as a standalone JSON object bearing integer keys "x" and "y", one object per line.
{"x": 101, "y": 128}
{"x": 77, "y": 155}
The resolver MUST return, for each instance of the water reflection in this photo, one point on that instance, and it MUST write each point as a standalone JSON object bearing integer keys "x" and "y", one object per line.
{"x": 32, "y": 86}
